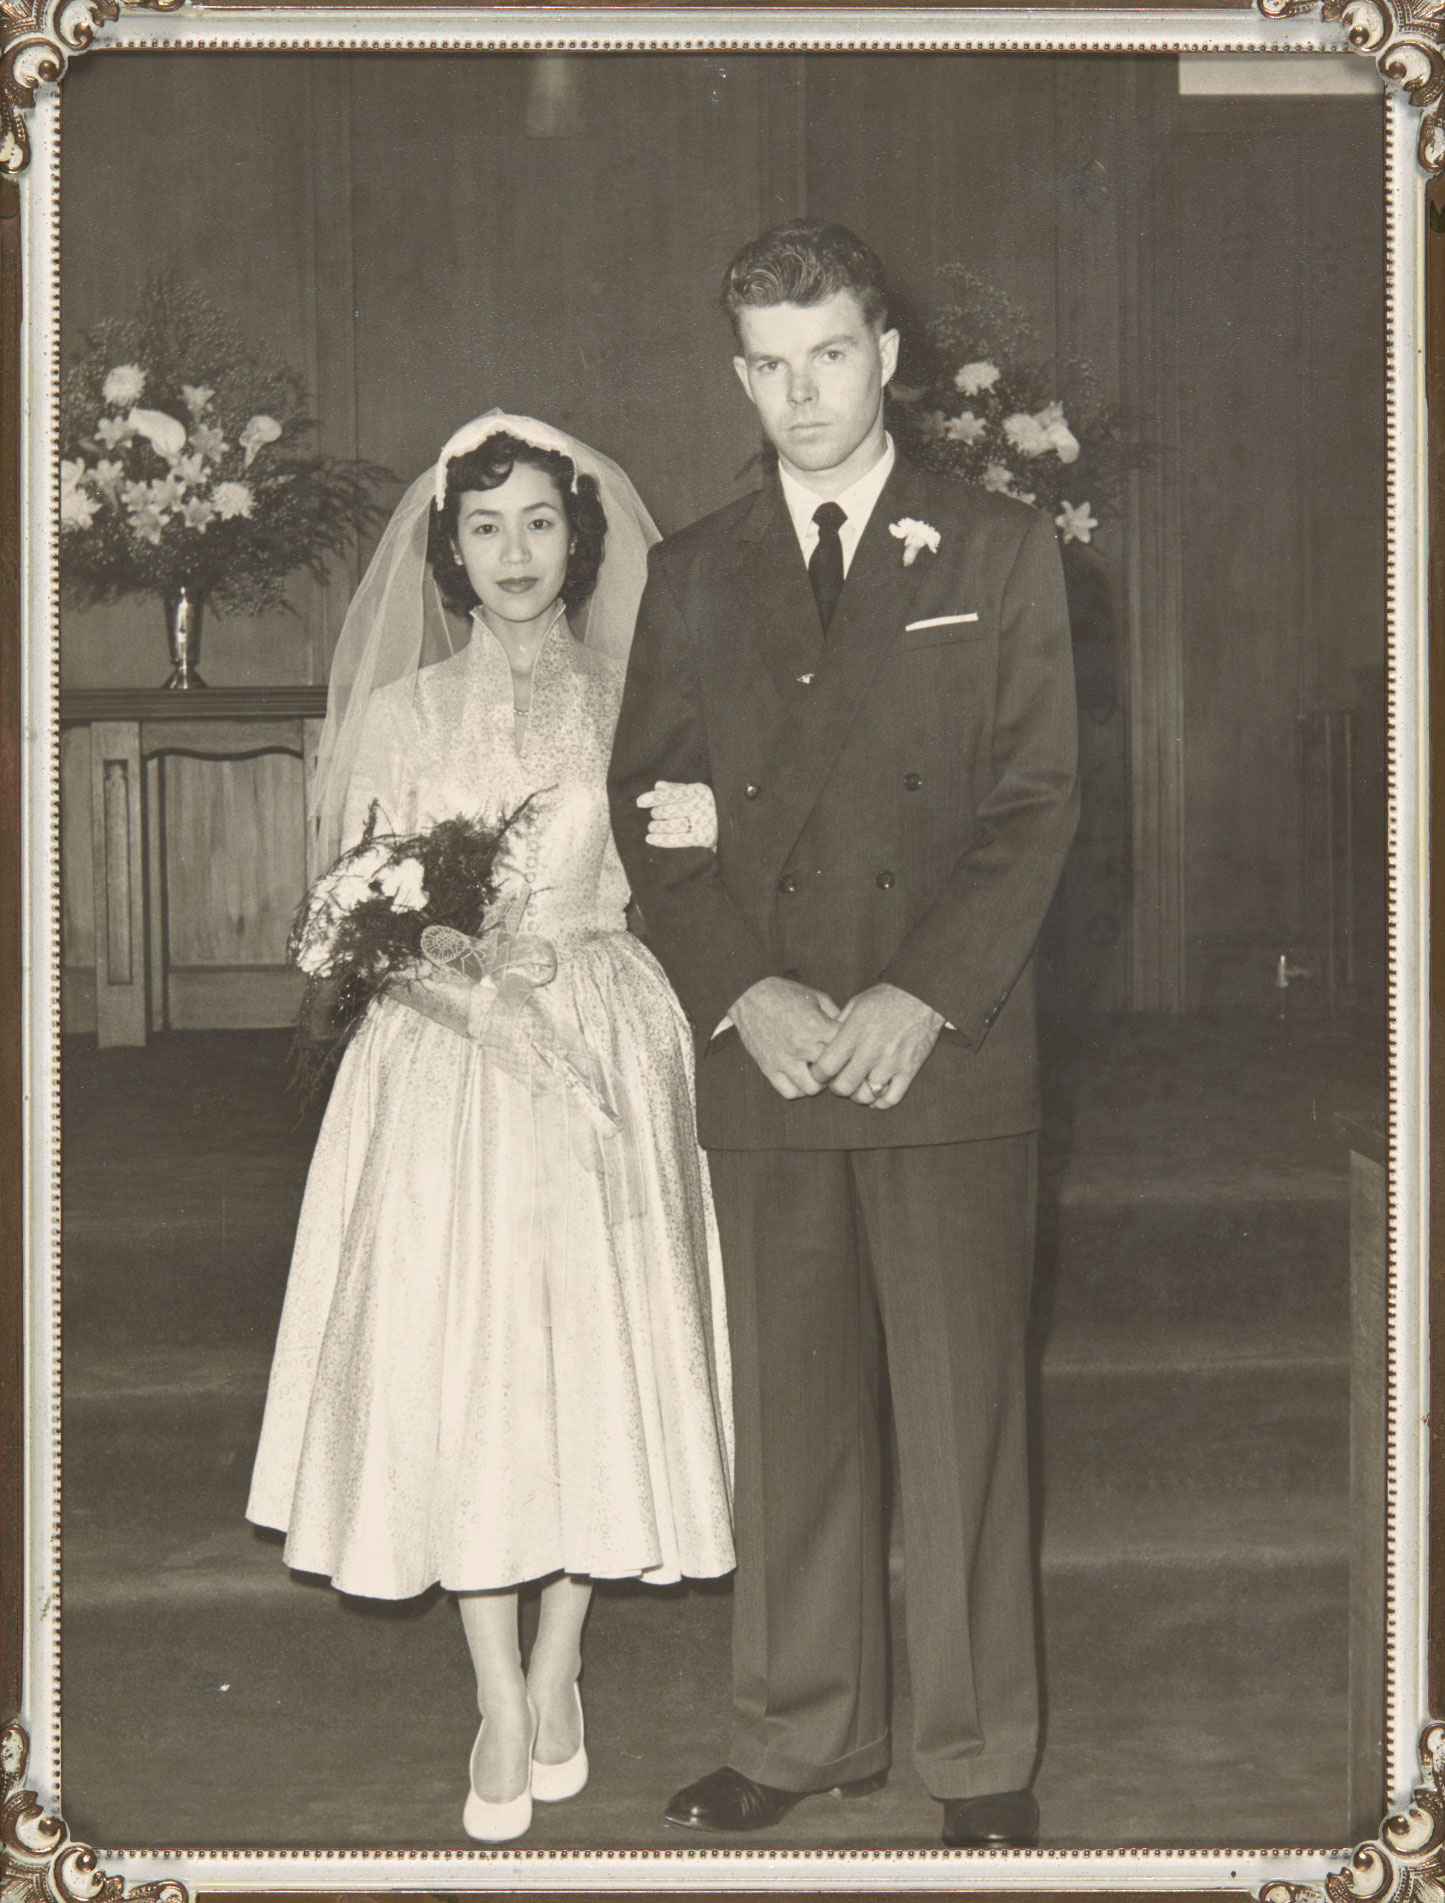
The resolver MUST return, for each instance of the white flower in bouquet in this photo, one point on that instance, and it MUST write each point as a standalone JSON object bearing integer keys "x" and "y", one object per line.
{"x": 190, "y": 469}
{"x": 965, "y": 427}
{"x": 257, "y": 433}
{"x": 1076, "y": 524}
{"x": 124, "y": 385}
{"x": 998, "y": 477}
{"x": 197, "y": 513}
{"x": 167, "y": 492}
{"x": 113, "y": 430}
{"x": 135, "y": 495}
{"x": 1061, "y": 439}
{"x": 313, "y": 954}
{"x": 78, "y": 510}
{"x": 974, "y": 378}
{"x": 207, "y": 440}
{"x": 149, "y": 524}
{"x": 349, "y": 882}
{"x": 1026, "y": 433}
{"x": 197, "y": 397}
{"x": 402, "y": 882}
{"x": 164, "y": 434}
{"x": 232, "y": 499}
{"x": 1036, "y": 435}
{"x": 77, "y": 507}
{"x": 108, "y": 477}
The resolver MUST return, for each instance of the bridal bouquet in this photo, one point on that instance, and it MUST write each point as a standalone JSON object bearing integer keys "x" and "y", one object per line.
{"x": 184, "y": 465}
{"x": 394, "y": 906}
{"x": 975, "y": 407}
{"x": 423, "y": 913}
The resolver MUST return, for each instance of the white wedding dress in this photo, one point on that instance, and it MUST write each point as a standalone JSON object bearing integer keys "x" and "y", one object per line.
{"x": 503, "y": 1350}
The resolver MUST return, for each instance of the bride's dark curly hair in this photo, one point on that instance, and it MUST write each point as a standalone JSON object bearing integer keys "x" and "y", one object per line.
{"x": 488, "y": 467}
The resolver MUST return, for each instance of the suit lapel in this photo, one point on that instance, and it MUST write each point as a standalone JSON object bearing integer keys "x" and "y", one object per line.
{"x": 871, "y": 609}
{"x": 775, "y": 598}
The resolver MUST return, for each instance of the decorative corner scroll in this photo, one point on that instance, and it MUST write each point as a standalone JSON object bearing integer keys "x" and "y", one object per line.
{"x": 1406, "y": 1864}
{"x": 38, "y": 1861}
{"x": 37, "y": 39}
{"x": 1406, "y": 40}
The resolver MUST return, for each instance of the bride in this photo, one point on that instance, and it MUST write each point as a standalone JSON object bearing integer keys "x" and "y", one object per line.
{"x": 502, "y": 1356}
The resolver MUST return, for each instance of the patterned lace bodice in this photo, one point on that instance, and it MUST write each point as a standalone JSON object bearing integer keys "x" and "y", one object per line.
{"x": 444, "y": 744}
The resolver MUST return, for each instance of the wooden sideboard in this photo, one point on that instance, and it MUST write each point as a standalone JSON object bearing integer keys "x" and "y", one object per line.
{"x": 133, "y": 733}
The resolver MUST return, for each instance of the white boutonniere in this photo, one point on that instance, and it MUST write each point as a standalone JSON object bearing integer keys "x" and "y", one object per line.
{"x": 914, "y": 535}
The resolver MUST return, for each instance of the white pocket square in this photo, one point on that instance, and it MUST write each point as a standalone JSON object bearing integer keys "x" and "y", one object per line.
{"x": 939, "y": 621}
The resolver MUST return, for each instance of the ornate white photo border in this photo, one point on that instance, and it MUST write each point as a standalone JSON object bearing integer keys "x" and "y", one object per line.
{"x": 1404, "y": 37}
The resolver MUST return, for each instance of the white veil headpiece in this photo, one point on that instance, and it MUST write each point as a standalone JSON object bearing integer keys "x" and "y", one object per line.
{"x": 396, "y": 624}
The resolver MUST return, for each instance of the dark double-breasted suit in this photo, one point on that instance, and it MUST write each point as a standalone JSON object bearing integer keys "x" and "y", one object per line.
{"x": 895, "y": 801}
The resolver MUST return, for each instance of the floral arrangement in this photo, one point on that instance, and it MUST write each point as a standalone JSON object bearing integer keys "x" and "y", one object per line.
{"x": 971, "y": 409}
{"x": 183, "y": 465}
{"x": 362, "y": 923}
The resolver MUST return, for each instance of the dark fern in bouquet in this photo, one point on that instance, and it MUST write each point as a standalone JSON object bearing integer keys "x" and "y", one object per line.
{"x": 361, "y": 923}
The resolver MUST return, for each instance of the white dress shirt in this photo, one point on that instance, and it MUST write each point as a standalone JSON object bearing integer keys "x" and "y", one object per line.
{"x": 857, "y": 503}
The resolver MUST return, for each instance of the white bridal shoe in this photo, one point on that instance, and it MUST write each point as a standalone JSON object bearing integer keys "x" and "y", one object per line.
{"x": 497, "y": 1823}
{"x": 551, "y": 1783}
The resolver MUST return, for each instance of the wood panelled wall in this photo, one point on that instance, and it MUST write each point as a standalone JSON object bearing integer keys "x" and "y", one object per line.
{"x": 427, "y": 235}
{"x": 1282, "y": 518}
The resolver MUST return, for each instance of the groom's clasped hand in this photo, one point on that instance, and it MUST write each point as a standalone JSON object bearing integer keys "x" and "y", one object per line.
{"x": 870, "y": 1050}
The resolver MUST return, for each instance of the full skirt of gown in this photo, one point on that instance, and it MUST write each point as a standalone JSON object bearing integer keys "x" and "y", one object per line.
{"x": 503, "y": 1349}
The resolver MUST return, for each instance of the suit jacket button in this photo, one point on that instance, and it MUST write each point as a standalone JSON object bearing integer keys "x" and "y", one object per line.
{"x": 751, "y": 792}
{"x": 787, "y": 885}
{"x": 912, "y": 782}
{"x": 884, "y": 881}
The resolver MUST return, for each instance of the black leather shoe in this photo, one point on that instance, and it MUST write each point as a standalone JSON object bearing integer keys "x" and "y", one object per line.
{"x": 726, "y": 1800}
{"x": 1004, "y": 1820}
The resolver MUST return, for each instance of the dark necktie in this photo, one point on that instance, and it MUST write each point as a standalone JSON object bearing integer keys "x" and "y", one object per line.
{"x": 825, "y": 568}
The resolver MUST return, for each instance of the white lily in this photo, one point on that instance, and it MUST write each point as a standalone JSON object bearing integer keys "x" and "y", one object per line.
{"x": 1076, "y": 524}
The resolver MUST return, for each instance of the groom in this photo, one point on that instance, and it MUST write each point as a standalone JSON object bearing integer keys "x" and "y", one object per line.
{"x": 870, "y": 666}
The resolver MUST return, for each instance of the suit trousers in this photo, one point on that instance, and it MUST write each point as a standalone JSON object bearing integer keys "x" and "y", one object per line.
{"x": 834, "y": 1259}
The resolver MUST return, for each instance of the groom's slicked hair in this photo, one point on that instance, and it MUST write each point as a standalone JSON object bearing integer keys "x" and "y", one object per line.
{"x": 805, "y": 262}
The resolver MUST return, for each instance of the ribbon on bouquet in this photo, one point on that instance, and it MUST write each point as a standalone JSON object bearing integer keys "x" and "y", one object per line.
{"x": 512, "y": 1026}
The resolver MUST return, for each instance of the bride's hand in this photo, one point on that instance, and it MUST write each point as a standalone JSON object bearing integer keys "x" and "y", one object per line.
{"x": 682, "y": 813}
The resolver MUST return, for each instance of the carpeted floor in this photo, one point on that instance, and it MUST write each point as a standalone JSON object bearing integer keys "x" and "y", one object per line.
{"x": 1191, "y": 1430}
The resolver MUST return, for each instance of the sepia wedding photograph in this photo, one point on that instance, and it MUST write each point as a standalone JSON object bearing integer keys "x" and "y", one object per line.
{"x": 727, "y": 1022}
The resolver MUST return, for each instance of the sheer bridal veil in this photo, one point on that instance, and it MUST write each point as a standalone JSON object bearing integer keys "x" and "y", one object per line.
{"x": 395, "y": 625}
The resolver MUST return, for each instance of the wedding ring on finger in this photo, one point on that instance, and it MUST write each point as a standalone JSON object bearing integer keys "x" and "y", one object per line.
{"x": 877, "y": 1089}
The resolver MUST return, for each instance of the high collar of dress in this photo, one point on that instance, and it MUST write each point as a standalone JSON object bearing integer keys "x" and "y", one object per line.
{"x": 489, "y": 657}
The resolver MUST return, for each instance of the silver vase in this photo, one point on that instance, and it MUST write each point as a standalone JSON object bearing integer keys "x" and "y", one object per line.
{"x": 185, "y": 610}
